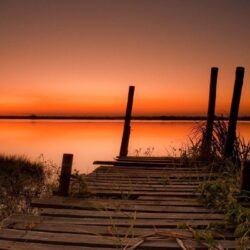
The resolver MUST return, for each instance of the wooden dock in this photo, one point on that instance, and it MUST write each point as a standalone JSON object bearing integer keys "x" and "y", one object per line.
{"x": 143, "y": 203}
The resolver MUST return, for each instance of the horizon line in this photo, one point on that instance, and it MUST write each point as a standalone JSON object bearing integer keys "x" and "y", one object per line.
{"x": 116, "y": 117}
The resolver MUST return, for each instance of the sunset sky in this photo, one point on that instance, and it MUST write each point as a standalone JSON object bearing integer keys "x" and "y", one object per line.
{"x": 73, "y": 57}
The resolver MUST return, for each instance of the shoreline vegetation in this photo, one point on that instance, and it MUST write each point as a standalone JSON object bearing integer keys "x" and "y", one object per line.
{"x": 135, "y": 118}
{"x": 21, "y": 180}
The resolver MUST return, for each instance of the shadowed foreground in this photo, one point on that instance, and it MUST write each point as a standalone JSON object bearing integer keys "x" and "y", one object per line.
{"x": 141, "y": 203}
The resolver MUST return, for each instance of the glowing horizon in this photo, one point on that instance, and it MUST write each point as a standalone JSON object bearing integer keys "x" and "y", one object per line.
{"x": 79, "y": 57}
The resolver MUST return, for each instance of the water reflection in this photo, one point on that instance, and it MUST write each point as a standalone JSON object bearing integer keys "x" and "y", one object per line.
{"x": 92, "y": 140}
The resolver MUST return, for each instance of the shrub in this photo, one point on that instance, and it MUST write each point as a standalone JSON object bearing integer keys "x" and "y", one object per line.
{"x": 20, "y": 181}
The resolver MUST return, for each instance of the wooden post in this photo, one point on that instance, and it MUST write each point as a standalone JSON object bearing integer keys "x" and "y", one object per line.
{"x": 245, "y": 176}
{"x": 65, "y": 174}
{"x": 207, "y": 137}
{"x": 126, "y": 128}
{"x": 231, "y": 133}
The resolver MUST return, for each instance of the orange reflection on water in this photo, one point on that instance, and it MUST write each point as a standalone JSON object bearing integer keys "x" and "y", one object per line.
{"x": 88, "y": 141}
{"x": 165, "y": 137}
{"x": 93, "y": 140}
{"x": 244, "y": 130}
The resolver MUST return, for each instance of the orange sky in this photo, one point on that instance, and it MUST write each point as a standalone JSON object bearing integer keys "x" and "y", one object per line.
{"x": 79, "y": 57}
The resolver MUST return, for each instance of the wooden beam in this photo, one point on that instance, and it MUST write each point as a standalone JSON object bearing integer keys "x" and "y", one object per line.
{"x": 231, "y": 133}
{"x": 148, "y": 163}
{"x": 207, "y": 137}
{"x": 126, "y": 128}
{"x": 65, "y": 174}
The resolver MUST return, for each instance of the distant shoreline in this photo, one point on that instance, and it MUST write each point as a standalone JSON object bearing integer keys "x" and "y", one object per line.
{"x": 139, "y": 118}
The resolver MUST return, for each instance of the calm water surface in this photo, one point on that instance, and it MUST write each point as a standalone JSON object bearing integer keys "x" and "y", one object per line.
{"x": 93, "y": 140}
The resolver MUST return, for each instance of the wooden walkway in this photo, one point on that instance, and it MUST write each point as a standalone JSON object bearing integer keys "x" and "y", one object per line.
{"x": 143, "y": 203}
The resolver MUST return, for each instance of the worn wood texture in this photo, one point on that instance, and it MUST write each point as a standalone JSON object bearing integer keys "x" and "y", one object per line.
{"x": 127, "y": 128}
{"x": 65, "y": 174}
{"x": 207, "y": 137}
{"x": 235, "y": 104}
{"x": 245, "y": 176}
{"x": 127, "y": 207}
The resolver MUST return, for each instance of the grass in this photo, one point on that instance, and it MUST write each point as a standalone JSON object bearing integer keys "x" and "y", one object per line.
{"x": 149, "y": 151}
{"x": 223, "y": 193}
{"x": 20, "y": 181}
{"x": 241, "y": 148}
{"x": 78, "y": 185}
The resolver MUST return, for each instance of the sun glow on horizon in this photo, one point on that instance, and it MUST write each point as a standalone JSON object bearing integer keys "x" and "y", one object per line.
{"x": 79, "y": 57}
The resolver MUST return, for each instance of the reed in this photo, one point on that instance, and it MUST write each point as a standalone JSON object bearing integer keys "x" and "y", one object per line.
{"x": 241, "y": 148}
{"x": 21, "y": 180}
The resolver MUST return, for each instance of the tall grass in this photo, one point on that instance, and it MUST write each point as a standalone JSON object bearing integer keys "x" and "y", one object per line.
{"x": 223, "y": 193}
{"x": 241, "y": 149}
{"x": 20, "y": 181}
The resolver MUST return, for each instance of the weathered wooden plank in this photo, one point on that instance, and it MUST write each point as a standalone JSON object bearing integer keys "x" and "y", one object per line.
{"x": 138, "y": 163}
{"x": 121, "y": 214}
{"x": 61, "y": 238}
{"x": 167, "y": 244}
{"x": 104, "y": 230}
{"x": 138, "y": 188}
{"x": 139, "y": 205}
{"x": 98, "y": 240}
{"x": 150, "y": 169}
{"x": 143, "y": 185}
{"x": 153, "y": 173}
{"x": 161, "y": 165}
{"x": 172, "y": 167}
{"x": 145, "y": 180}
{"x": 156, "y": 198}
{"x": 152, "y": 209}
{"x": 196, "y": 175}
{"x": 131, "y": 193}
{"x": 17, "y": 245}
{"x": 161, "y": 158}
{"x": 148, "y": 158}
{"x": 149, "y": 178}
{"x": 166, "y": 184}
{"x": 145, "y": 223}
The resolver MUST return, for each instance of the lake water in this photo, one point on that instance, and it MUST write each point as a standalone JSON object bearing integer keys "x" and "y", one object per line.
{"x": 94, "y": 140}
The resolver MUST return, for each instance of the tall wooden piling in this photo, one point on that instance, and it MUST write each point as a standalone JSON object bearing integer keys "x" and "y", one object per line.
{"x": 127, "y": 128}
{"x": 207, "y": 137}
{"x": 65, "y": 174}
{"x": 245, "y": 176}
{"x": 231, "y": 133}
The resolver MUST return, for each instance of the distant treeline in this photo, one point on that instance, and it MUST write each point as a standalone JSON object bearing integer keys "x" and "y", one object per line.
{"x": 142, "y": 118}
